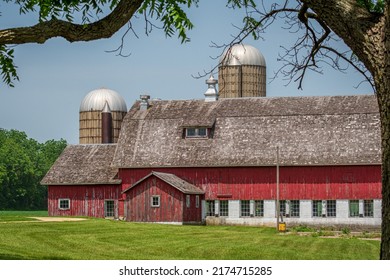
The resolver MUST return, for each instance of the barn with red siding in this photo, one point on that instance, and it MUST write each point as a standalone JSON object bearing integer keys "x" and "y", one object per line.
{"x": 163, "y": 197}
{"x": 214, "y": 161}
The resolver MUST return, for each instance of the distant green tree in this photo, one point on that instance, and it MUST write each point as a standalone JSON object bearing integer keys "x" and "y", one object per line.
{"x": 23, "y": 163}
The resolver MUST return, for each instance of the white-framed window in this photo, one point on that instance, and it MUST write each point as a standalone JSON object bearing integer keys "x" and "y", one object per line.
{"x": 245, "y": 208}
{"x": 282, "y": 207}
{"x": 224, "y": 208}
{"x": 188, "y": 200}
{"x": 259, "y": 208}
{"x": 210, "y": 207}
{"x": 289, "y": 208}
{"x": 294, "y": 208}
{"x": 317, "y": 208}
{"x": 64, "y": 203}
{"x": 331, "y": 208}
{"x": 155, "y": 201}
{"x": 109, "y": 208}
{"x": 368, "y": 208}
{"x": 354, "y": 208}
{"x": 197, "y": 201}
{"x": 196, "y": 132}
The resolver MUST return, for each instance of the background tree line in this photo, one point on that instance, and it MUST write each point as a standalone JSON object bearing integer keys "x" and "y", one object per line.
{"x": 23, "y": 163}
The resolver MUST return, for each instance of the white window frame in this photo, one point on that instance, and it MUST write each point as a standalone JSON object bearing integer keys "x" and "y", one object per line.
{"x": 245, "y": 208}
{"x": 260, "y": 204}
{"x": 224, "y": 208}
{"x": 61, "y": 200}
{"x": 152, "y": 204}
{"x": 197, "y": 201}
{"x": 188, "y": 201}
{"x": 368, "y": 212}
{"x": 196, "y": 132}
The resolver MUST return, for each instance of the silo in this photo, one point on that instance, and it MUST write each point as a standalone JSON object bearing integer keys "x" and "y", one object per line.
{"x": 242, "y": 72}
{"x": 90, "y": 131}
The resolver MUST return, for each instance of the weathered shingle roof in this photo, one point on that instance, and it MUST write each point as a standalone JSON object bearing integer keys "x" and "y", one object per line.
{"x": 334, "y": 130}
{"x": 83, "y": 165}
{"x": 172, "y": 180}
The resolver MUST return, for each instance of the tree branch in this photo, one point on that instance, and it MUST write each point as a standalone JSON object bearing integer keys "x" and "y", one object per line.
{"x": 72, "y": 32}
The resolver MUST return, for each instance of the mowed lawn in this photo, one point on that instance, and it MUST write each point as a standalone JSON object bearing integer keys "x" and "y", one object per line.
{"x": 24, "y": 238}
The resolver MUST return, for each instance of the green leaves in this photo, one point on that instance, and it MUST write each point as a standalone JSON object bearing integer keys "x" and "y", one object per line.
{"x": 373, "y": 6}
{"x": 23, "y": 163}
{"x": 171, "y": 14}
{"x": 8, "y": 68}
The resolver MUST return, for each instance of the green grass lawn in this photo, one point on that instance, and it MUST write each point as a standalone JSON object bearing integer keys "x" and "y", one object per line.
{"x": 113, "y": 240}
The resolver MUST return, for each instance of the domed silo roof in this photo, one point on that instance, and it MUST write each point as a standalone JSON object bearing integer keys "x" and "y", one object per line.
{"x": 241, "y": 54}
{"x": 95, "y": 100}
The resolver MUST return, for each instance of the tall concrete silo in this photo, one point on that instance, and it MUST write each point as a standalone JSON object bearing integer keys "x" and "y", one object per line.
{"x": 242, "y": 72}
{"x": 91, "y": 111}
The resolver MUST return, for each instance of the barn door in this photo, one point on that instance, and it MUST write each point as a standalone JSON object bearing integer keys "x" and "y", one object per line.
{"x": 109, "y": 208}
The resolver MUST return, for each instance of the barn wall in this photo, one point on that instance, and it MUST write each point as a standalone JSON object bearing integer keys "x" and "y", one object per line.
{"x": 138, "y": 202}
{"x": 85, "y": 200}
{"x": 303, "y": 182}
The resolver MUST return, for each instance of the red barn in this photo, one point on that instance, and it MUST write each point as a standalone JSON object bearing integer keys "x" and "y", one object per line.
{"x": 163, "y": 197}
{"x": 170, "y": 154}
{"x": 215, "y": 160}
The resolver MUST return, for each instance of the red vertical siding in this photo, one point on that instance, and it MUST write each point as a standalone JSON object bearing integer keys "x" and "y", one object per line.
{"x": 172, "y": 203}
{"x": 301, "y": 182}
{"x": 85, "y": 200}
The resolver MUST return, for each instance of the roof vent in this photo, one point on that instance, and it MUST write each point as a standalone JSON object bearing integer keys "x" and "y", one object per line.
{"x": 211, "y": 94}
{"x": 144, "y": 102}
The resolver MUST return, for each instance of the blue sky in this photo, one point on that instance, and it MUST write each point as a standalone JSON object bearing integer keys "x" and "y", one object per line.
{"x": 55, "y": 76}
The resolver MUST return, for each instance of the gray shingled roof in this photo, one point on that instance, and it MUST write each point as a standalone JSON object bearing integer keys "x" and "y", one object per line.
{"x": 334, "y": 130}
{"x": 172, "y": 180}
{"x": 83, "y": 165}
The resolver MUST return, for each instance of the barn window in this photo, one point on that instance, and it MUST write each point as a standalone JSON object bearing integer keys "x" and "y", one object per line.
{"x": 245, "y": 208}
{"x": 224, "y": 208}
{"x": 155, "y": 201}
{"x": 210, "y": 208}
{"x": 282, "y": 208}
{"x": 188, "y": 200}
{"x": 259, "y": 208}
{"x": 294, "y": 208}
{"x": 331, "y": 208}
{"x": 197, "y": 201}
{"x": 64, "y": 203}
{"x": 368, "y": 208}
{"x": 192, "y": 132}
{"x": 317, "y": 208}
{"x": 354, "y": 208}
{"x": 109, "y": 208}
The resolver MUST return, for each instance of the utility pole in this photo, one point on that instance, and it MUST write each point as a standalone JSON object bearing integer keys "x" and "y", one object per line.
{"x": 277, "y": 189}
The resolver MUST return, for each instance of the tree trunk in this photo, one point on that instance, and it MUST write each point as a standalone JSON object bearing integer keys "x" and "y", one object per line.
{"x": 385, "y": 130}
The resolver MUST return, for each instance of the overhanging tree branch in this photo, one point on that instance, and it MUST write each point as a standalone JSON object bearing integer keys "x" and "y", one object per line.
{"x": 103, "y": 28}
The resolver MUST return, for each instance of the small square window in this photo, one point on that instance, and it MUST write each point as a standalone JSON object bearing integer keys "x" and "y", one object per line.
{"x": 64, "y": 203}
{"x": 202, "y": 132}
{"x": 155, "y": 201}
{"x": 190, "y": 132}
